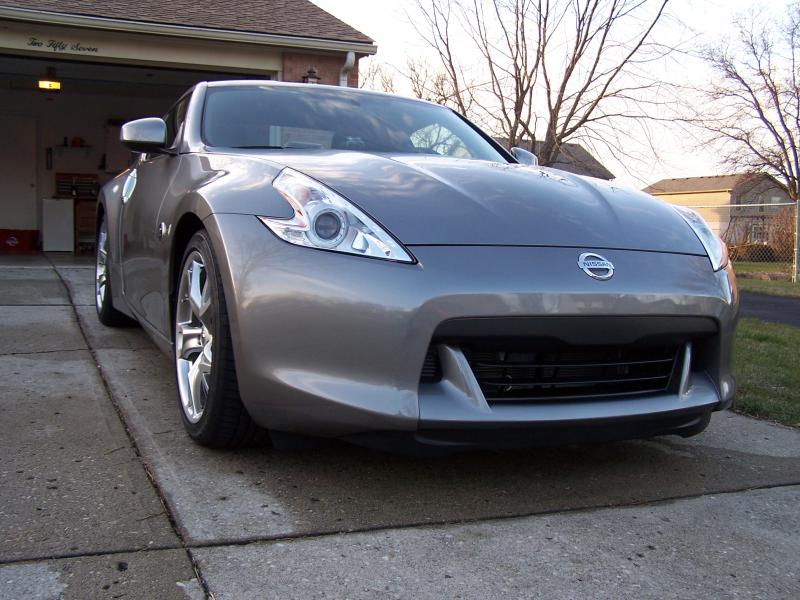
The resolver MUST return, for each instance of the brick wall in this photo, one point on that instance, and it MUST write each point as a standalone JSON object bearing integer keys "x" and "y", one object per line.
{"x": 296, "y": 64}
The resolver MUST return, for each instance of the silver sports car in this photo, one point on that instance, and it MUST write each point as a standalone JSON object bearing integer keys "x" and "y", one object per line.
{"x": 330, "y": 262}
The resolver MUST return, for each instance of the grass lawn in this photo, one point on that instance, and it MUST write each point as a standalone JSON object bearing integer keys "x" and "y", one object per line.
{"x": 767, "y": 369}
{"x": 776, "y": 288}
{"x": 761, "y": 267}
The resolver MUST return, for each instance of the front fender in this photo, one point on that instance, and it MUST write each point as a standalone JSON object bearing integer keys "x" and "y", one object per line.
{"x": 109, "y": 205}
{"x": 231, "y": 184}
{"x": 214, "y": 184}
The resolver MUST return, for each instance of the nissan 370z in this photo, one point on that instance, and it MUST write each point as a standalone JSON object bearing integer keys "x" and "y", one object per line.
{"x": 331, "y": 262}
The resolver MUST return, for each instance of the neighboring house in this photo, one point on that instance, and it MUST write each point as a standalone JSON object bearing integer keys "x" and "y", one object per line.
{"x": 571, "y": 157}
{"x": 723, "y": 201}
{"x": 115, "y": 60}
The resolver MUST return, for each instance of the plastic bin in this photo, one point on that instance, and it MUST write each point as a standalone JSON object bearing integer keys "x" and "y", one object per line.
{"x": 18, "y": 240}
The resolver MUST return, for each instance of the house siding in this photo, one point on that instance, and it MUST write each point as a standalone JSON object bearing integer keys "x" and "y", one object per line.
{"x": 714, "y": 207}
{"x": 753, "y": 224}
{"x": 735, "y": 224}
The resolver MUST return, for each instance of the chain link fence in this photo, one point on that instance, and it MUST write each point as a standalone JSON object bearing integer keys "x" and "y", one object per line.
{"x": 760, "y": 237}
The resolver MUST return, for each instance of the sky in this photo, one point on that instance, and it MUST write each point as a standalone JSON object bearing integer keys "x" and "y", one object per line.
{"x": 387, "y": 22}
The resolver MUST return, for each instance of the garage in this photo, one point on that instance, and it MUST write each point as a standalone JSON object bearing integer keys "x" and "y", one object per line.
{"x": 71, "y": 73}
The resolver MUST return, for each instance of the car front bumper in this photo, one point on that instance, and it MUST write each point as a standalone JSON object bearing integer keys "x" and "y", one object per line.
{"x": 333, "y": 345}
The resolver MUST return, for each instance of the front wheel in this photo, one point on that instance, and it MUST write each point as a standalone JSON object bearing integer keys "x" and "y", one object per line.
{"x": 212, "y": 411}
{"x": 106, "y": 313}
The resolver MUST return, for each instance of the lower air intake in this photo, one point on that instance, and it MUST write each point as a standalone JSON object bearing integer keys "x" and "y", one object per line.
{"x": 572, "y": 372}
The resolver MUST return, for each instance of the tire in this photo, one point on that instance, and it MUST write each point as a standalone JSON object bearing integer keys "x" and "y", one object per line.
{"x": 106, "y": 313}
{"x": 205, "y": 373}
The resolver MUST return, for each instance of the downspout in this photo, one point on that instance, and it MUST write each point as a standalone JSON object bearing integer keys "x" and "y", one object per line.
{"x": 348, "y": 65}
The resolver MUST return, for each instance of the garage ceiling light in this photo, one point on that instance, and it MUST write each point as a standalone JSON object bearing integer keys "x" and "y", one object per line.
{"x": 50, "y": 83}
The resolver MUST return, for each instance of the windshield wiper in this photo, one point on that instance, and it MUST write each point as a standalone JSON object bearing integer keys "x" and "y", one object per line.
{"x": 259, "y": 147}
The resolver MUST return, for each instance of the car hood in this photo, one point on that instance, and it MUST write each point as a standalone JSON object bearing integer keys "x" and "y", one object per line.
{"x": 433, "y": 200}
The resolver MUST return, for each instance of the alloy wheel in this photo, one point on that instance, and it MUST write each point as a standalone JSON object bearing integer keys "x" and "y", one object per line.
{"x": 194, "y": 336}
{"x": 101, "y": 266}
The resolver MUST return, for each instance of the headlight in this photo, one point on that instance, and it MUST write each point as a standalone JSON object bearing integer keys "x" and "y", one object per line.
{"x": 323, "y": 219}
{"x": 716, "y": 249}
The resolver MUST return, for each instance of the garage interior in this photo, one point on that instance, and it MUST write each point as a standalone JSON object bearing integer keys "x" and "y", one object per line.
{"x": 63, "y": 145}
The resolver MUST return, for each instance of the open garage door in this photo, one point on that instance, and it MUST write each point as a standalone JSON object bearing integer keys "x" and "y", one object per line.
{"x": 17, "y": 181}
{"x": 63, "y": 145}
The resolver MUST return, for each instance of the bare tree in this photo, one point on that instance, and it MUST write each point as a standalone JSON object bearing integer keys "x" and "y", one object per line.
{"x": 428, "y": 83}
{"x": 439, "y": 21}
{"x": 780, "y": 232}
{"x": 377, "y": 76}
{"x": 501, "y": 37}
{"x": 556, "y": 68}
{"x": 751, "y": 109}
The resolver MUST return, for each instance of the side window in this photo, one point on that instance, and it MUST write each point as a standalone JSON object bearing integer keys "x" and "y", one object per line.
{"x": 180, "y": 118}
{"x": 436, "y": 139}
{"x": 169, "y": 119}
{"x": 174, "y": 120}
{"x": 759, "y": 234}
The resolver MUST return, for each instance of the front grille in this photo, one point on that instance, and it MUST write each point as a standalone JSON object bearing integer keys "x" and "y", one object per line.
{"x": 572, "y": 372}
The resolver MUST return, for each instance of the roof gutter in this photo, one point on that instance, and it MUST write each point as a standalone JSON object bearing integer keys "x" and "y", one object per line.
{"x": 222, "y": 35}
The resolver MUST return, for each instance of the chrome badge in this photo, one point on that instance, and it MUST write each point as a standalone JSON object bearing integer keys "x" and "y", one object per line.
{"x": 595, "y": 266}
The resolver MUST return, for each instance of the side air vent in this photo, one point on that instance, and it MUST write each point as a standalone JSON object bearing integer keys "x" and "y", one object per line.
{"x": 431, "y": 369}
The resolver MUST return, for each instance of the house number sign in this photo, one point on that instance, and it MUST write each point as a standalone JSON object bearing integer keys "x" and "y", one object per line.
{"x": 61, "y": 46}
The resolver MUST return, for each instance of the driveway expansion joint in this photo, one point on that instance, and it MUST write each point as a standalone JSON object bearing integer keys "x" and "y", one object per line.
{"x": 34, "y": 352}
{"x": 93, "y": 553}
{"x": 43, "y": 305}
{"x": 134, "y": 444}
{"x": 222, "y": 542}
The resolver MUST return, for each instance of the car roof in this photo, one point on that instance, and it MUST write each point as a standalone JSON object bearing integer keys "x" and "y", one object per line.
{"x": 311, "y": 87}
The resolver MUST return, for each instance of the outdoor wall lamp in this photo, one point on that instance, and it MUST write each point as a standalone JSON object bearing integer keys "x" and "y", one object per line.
{"x": 311, "y": 76}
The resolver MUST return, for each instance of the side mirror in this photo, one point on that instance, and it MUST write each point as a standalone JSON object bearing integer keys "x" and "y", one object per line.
{"x": 145, "y": 135}
{"x": 524, "y": 157}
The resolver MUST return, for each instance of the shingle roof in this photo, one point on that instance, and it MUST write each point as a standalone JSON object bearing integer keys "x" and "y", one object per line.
{"x": 298, "y": 18}
{"x": 577, "y": 159}
{"x": 686, "y": 185}
{"x": 571, "y": 157}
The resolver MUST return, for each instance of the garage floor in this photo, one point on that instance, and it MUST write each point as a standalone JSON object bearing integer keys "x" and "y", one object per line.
{"x": 102, "y": 494}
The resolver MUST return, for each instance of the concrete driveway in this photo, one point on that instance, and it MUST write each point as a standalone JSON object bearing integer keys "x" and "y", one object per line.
{"x": 103, "y": 495}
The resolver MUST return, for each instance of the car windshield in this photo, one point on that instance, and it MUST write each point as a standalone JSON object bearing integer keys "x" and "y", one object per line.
{"x": 326, "y": 118}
